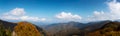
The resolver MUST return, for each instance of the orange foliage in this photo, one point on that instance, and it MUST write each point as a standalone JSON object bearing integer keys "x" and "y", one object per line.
{"x": 96, "y": 33}
{"x": 26, "y": 29}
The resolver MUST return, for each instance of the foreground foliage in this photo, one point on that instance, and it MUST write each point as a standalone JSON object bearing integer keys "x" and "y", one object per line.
{"x": 26, "y": 29}
{"x": 4, "y": 32}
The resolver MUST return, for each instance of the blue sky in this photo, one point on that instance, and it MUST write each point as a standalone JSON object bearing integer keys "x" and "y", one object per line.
{"x": 50, "y": 8}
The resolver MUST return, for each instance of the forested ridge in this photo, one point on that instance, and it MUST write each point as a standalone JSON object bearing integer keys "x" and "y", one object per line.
{"x": 101, "y": 28}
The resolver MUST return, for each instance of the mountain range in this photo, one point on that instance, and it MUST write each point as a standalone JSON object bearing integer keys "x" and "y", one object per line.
{"x": 100, "y": 28}
{"x": 75, "y": 28}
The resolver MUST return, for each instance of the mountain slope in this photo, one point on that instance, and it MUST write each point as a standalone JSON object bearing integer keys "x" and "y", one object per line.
{"x": 8, "y": 24}
{"x": 54, "y": 29}
{"x": 75, "y": 28}
{"x": 95, "y": 25}
{"x": 109, "y": 29}
{"x": 26, "y": 29}
{"x": 11, "y": 26}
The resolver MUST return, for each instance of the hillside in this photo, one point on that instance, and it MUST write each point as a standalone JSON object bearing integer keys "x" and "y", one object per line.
{"x": 20, "y": 29}
{"x": 100, "y": 28}
{"x": 8, "y": 24}
{"x": 109, "y": 29}
{"x": 54, "y": 29}
{"x": 26, "y": 29}
{"x": 80, "y": 29}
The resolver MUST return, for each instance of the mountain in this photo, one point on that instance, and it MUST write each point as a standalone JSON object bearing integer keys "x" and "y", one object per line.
{"x": 95, "y": 25}
{"x": 58, "y": 27}
{"x": 98, "y": 28}
{"x": 75, "y": 28}
{"x": 27, "y": 29}
{"x": 40, "y": 29}
{"x": 109, "y": 29}
{"x": 8, "y": 24}
{"x": 20, "y": 28}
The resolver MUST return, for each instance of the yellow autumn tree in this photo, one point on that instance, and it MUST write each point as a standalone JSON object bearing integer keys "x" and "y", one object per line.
{"x": 26, "y": 29}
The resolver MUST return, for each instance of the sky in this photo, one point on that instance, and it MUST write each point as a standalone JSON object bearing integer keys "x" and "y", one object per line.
{"x": 59, "y": 10}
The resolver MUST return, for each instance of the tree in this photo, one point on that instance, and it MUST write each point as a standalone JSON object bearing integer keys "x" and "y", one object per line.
{"x": 2, "y": 30}
{"x": 26, "y": 29}
{"x": 8, "y": 32}
{"x": 5, "y": 32}
{"x": 96, "y": 33}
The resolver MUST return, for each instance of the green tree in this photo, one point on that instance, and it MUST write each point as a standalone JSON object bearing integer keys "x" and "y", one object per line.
{"x": 8, "y": 32}
{"x": 4, "y": 32}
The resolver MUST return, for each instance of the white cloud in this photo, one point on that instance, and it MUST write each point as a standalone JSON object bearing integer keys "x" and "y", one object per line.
{"x": 68, "y": 16}
{"x": 32, "y": 18}
{"x": 19, "y": 14}
{"x": 16, "y": 12}
{"x": 9, "y": 17}
{"x": 114, "y": 7}
{"x": 43, "y": 19}
{"x": 97, "y": 16}
{"x": 114, "y": 13}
